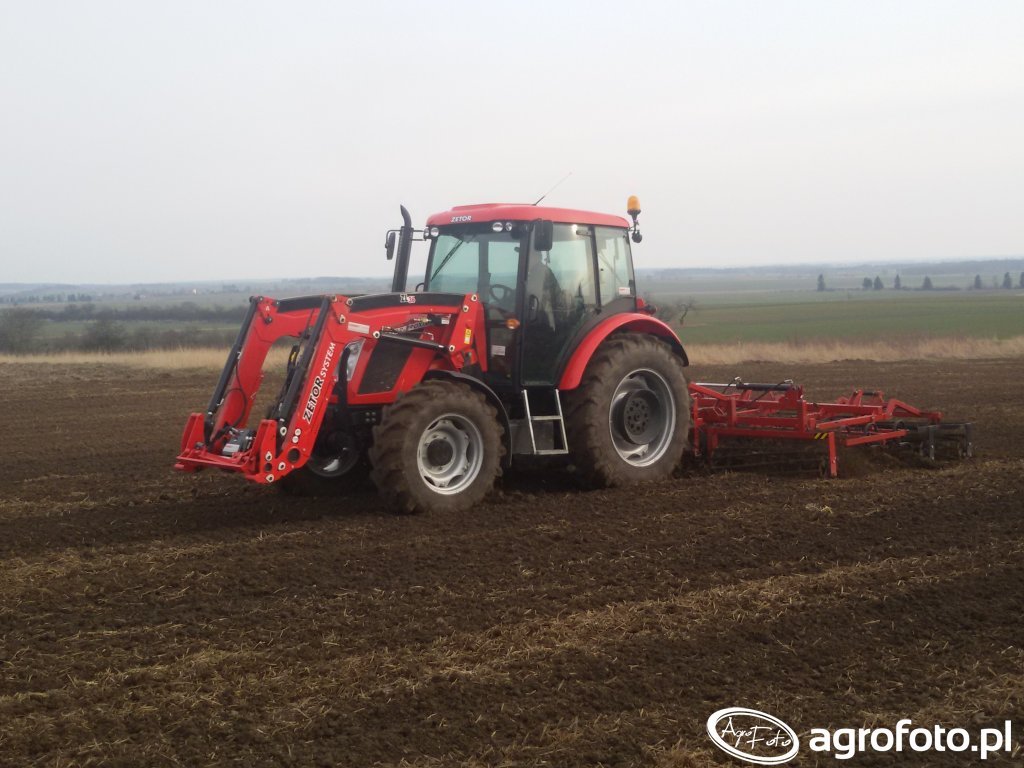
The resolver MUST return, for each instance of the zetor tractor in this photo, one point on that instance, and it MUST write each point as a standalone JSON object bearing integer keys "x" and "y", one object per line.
{"x": 525, "y": 338}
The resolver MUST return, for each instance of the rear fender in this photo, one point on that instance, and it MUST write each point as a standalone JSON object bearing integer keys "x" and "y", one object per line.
{"x": 492, "y": 398}
{"x": 631, "y": 322}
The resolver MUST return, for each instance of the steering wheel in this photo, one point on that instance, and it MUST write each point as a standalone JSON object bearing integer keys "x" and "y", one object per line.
{"x": 500, "y": 292}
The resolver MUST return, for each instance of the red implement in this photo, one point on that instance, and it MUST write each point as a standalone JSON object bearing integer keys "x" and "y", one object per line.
{"x": 781, "y": 412}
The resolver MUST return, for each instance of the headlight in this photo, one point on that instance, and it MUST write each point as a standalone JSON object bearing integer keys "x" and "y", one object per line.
{"x": 353, "y": 348}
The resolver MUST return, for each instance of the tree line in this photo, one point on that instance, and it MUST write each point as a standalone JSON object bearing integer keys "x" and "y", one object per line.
{"x": 185, "y": 311}
{"x": 106, "y": 329}
{"x": 868, "y": 284}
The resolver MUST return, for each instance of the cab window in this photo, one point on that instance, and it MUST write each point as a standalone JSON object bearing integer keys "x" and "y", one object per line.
{"x": 474, "y": 259}
{"x": 615, "y": 267}
{"x": 561, "y": 294}
{"x": 457, "y": 267}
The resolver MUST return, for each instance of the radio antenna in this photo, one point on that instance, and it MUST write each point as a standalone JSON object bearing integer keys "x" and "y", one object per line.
{"x": 557, "y": 185}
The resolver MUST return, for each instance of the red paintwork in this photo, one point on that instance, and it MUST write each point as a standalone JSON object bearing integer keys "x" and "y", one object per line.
{"x": 521, "y": 212}
{"x": 463, "y": 345}
{"x": 634, "y": 322}
{"x": 734, "y": 411}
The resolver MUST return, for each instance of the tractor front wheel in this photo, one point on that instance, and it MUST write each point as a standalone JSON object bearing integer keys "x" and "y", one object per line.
{"x": 629, "y": 419}
{"x": 438, "y": 447}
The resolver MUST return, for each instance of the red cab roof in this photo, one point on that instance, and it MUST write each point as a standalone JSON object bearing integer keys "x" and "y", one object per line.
{"x": 522, "y": 212}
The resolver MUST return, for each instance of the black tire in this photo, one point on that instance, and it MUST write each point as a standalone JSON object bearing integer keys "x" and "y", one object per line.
{"x": 311, "y": 481}
{"x": 632, "y": 384}
{"x": 338, "y": 466}
{"x": 437, "y": 448}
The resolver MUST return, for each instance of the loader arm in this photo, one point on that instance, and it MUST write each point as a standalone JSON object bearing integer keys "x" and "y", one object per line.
{"x": 327, "y": 329}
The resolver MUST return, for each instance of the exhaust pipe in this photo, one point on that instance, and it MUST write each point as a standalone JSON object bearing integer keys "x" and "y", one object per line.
{"x": 404, "y": 252}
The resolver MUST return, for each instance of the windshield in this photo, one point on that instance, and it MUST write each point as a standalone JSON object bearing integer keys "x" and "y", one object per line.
{"x": 472, "y": 259}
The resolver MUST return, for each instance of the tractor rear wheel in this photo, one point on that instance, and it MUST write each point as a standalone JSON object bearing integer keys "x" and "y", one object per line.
{"x": 438, "y": 447}
{"x": 629, "y": 419}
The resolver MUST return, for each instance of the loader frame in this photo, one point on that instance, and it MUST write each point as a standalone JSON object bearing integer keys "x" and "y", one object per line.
{"x": 439, "y": 335}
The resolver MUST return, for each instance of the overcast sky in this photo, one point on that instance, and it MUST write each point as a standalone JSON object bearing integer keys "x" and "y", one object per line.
{"x": 151, "y": 141}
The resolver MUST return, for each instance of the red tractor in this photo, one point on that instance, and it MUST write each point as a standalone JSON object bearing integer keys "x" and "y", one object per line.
{"x": 525, "y": 338}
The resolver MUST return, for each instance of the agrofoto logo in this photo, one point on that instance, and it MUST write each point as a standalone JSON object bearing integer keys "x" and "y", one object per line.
{"x": 757, "y": 737}
{"x": 752, "y": 735}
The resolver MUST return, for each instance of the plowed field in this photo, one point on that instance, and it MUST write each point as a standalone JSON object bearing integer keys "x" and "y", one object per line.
{"x": 152, "y": 618}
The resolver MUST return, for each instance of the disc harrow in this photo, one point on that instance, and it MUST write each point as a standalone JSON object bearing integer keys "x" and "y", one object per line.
{"x": 726, "y": 415}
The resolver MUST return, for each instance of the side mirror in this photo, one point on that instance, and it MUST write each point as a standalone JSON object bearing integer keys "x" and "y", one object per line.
{"x": 543, "y": 235}
{"x": 389, "y": 244}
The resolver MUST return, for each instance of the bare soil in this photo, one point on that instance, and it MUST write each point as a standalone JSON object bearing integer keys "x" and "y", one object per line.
{"x": 153, "y": 618}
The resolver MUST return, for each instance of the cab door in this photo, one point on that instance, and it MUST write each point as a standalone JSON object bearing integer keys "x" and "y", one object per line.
{"x": 499, "y": 291}
{"x": 559, "y": 298}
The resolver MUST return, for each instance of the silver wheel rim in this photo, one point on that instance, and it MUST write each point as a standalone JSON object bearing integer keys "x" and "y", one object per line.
{"x": 450, "y": 454}
{"x": 334, "y": 466}
{"x": 642, "y": 417}
{"x": 328, "y": 468}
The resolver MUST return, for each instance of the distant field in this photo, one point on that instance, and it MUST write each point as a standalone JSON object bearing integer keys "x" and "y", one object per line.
{"x": 856, "y": 319}
{"x": 739, "y": 309}
{"x": 54, "y": 330}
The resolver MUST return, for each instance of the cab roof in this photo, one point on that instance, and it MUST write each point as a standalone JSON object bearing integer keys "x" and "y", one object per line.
{"x": 487, "y": 212}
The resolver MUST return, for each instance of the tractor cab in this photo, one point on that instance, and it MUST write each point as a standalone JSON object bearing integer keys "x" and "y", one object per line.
{"x": 545, "y": 276}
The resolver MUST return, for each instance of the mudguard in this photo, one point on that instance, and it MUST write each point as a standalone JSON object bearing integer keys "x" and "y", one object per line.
{"x": 633, "y": 322}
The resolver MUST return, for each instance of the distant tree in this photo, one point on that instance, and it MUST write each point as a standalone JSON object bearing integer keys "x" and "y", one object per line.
{"x": 104, "y": 335}
{"x": 673, "y": 311}
{"x": 143, "y": 337}
{"x": 821, "y": 282}
{"x": 977, "y": 283}
{"x": 927, "y": 284}
{"x": 866, "y": 283}
{"x": 683, "y": 308}
{"x": 1021, "y": 283}
{"x": 878, "y": 283}
{"x": 1007, "y": 281}
{"x": 896, "y": 284}
{"x": 19, "y": 329}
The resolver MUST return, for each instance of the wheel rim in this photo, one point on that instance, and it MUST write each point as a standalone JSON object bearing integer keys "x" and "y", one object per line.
{"x": 343, "y": 462}
{"x": 642, "y": 417}
{"x": 333, "y": 466}
{"x": 450, "y": 454}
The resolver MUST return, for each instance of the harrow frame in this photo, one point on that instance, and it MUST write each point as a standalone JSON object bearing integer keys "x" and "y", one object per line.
{"x": 781, "y": 412}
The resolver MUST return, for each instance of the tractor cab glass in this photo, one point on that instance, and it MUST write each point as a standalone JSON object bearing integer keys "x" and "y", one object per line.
{"x": 538, "y": 303}
{"x": 614, "y": 266}
{"x": 561, "y": 294}
{"x": 476, "y": 259}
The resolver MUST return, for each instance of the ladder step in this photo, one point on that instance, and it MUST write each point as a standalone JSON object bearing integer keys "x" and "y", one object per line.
{"x": 559, "y": 436}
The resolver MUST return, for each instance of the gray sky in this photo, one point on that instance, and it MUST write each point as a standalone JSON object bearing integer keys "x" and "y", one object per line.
{"x": 148, "y": 141}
